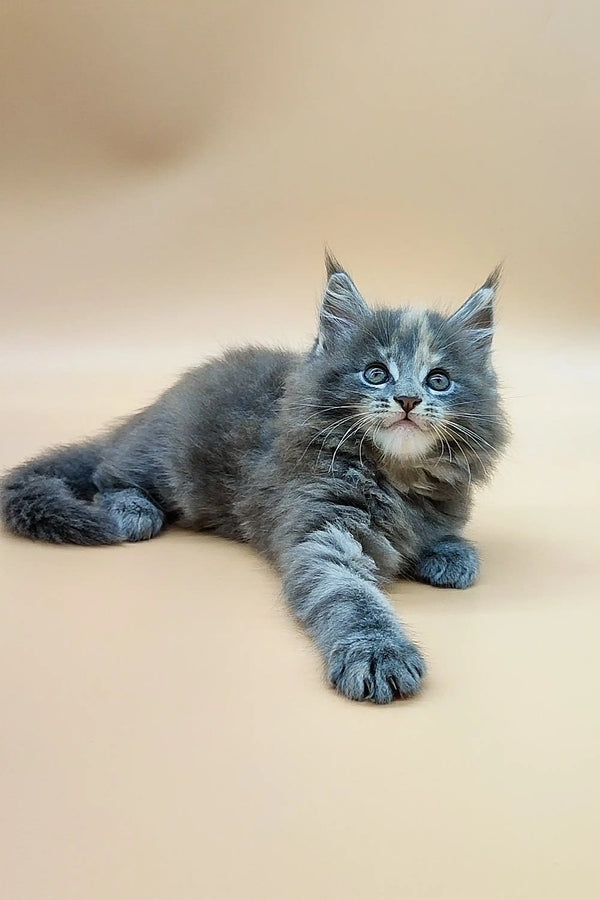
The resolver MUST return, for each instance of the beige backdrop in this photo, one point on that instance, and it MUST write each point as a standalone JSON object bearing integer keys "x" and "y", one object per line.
{"x": 170, "y": 173}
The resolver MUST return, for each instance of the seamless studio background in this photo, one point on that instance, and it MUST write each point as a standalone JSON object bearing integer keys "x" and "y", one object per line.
{"x": 170, "y": 175}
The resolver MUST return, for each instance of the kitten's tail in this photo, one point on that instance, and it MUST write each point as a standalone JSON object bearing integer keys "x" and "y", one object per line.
{"x": 50, "y": 498}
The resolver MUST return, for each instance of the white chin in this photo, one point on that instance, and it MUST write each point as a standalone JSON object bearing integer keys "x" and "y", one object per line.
{"x": 403, "y": 441}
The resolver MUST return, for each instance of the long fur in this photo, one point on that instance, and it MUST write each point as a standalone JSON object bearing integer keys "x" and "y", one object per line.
{"x": 51, "y": 498}
{"x": 300, "y": 456}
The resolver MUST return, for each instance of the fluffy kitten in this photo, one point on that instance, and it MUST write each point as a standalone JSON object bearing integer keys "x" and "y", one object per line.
{"x": 346, "y": 466}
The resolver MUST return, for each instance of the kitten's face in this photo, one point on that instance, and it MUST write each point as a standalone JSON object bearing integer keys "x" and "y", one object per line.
{"x": 413, "y": 383}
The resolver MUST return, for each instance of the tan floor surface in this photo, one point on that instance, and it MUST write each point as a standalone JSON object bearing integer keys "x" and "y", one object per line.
{"x": 170, "y": 174}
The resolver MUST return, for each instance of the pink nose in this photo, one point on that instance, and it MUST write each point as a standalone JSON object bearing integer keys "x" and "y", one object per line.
{"x": 408, "y": 403}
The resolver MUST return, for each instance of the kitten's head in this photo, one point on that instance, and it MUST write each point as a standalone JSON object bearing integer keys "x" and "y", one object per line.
{"x": 415, "y": 384}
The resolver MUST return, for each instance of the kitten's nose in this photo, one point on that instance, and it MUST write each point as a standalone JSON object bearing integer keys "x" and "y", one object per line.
{"x": 408, "y": 403}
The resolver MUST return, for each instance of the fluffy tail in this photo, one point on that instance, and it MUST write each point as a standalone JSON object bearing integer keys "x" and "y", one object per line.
{"x": 50, "y": 498}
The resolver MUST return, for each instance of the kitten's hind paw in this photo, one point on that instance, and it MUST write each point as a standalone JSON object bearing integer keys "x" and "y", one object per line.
{"x": 376, "y": 667}
{"x": 135, "y": 516}
{"x": 452, "y": 562}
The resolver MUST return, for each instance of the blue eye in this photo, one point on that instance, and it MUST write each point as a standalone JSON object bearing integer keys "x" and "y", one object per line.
{"x": 438, "y": 380}
{"x": 376, "y": 375}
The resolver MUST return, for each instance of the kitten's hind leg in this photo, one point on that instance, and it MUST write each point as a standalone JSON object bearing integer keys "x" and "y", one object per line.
{"x": 135, "y": 516}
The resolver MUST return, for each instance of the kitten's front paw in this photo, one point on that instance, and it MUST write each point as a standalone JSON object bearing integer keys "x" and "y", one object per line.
{"x": 376, "y": 667}
{"x": 452, "y": 563}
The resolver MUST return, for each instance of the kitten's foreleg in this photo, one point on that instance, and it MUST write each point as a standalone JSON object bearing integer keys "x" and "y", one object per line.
{"x": 451, "y": 562}
{"x": 331, "y": 584}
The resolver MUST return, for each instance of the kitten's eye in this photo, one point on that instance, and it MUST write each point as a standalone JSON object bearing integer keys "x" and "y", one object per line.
{"x": 376, "y": 375}
{"x": 438, "y": 380}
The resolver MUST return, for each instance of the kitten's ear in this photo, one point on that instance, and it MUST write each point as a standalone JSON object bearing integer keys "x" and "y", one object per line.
{"x": 476, "y": 315}
{"x": 342, "y": 307}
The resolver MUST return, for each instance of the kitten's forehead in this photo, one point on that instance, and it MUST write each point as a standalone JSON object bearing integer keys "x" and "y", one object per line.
{"x": 408, "y": 334}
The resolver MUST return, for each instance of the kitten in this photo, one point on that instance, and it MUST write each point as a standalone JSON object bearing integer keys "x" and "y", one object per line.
{"x": 345, "y": 466}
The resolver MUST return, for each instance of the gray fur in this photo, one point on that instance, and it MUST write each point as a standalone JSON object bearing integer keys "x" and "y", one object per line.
{"x": 452, "y": 562}
{"x": 135, "y": 517}
{"x": 299, "y": 456}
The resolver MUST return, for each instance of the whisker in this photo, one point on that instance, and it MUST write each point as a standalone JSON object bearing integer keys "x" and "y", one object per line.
{"x": 466, "y": 461}
{"x": 471, "y": 434}
{"x": 457, "y": 438}
{"x": 353, "y": 428}
{"x": 444, "y": 443}
{"x": 469, "y": 415}
{"x": 328, "y": 428}
{"x": 360, "y": 446}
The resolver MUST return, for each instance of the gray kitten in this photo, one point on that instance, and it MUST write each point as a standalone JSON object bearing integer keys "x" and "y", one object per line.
{"x": 346, "y": 466}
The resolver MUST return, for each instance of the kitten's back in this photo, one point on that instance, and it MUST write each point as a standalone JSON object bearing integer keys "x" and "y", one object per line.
{"x": 224, "y": 413}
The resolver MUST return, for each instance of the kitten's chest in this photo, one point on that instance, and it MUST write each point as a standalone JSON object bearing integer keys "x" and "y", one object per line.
{"x": 438, "y": 484}
{"x": 415, "y": 508}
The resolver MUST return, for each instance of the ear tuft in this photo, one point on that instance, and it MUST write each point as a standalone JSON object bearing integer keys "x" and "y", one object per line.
{"x": 342, "y": 308}
{"x": 331, "y": 263}
{"x": 494, "y": 278}
{"x": 476, "y": 315}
